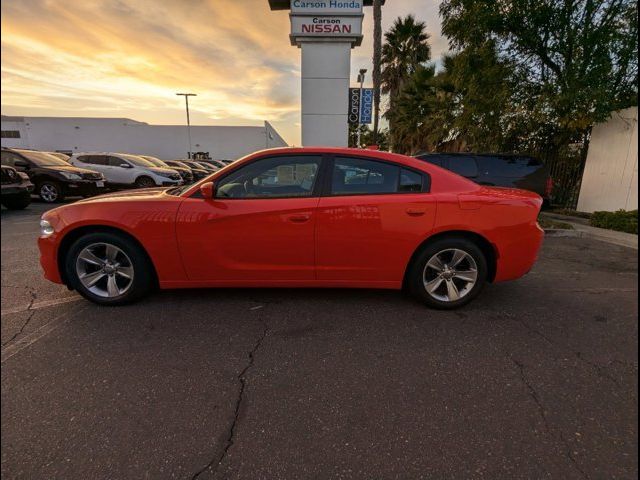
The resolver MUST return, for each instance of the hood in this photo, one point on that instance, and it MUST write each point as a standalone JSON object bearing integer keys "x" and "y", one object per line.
{"x": 162, "y": 170}
{"x": 68, "y": 168}
{"x": 137, "y": 194}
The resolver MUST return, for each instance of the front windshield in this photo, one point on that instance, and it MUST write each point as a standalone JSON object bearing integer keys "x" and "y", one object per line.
{"x": 60, "y": 155}
{"x": 205, "y": 166}
{"x": 42, "y": 159}
{"x": 156, "y": 161}
{"x": 179, "y": 164}
{"x": 136, "y": 160}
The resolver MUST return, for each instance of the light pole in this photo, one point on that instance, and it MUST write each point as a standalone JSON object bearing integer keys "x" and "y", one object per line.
{"x": 186, "y": 100}
{"x": 361, "y": 81}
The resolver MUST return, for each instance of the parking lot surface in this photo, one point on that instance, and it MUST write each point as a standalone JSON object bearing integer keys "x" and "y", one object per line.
{"x": 535, "y": 379}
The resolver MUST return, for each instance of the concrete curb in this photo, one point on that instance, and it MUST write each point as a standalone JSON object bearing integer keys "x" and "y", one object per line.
{"x": 562, "y": 232}
{"x": 582, "y": 230}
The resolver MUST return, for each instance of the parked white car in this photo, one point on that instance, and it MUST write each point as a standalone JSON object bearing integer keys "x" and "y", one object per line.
{"x": 125, "y": 170}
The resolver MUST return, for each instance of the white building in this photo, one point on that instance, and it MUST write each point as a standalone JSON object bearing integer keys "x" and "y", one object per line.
{"x": 610, "y": 179}
{"x": 80, "y": 134}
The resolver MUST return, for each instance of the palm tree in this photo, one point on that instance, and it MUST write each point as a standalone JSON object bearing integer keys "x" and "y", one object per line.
{"x": 406, "y": 48}
{"x": 377, "y": 54}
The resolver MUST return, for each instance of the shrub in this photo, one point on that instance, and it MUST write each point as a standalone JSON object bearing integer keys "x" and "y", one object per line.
{"x": 622, "y": 220}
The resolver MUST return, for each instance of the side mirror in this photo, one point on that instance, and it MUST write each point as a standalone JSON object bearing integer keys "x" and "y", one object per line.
{"x": 21, "y": 163}
{"x": 208, "y": 190}
{"x": 125, "y": 165}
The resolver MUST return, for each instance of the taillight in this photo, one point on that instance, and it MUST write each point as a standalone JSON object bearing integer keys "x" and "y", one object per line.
{"x": 548, "y": 187}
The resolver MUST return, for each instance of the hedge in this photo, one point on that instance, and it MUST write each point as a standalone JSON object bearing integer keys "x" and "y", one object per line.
{"x": 622, "y": 220}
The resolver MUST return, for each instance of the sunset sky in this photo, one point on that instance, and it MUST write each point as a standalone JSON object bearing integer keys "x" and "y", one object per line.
{"x": 127, "y": 58}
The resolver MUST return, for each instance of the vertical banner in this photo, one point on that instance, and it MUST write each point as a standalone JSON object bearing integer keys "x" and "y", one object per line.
{"x": 366, "y": 105}
{"x": 354, "y": 106}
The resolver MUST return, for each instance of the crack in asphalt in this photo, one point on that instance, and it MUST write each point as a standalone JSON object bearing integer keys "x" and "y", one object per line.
{"x": 215, "y": 463}
{"x": 599, "y": 368}
{"x": 541, "y": 410}
{"x": 26, "y": 322}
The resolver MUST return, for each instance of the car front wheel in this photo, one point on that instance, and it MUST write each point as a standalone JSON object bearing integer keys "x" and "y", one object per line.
{"x": 108, "y": 269}
{"x": 448, "y": 273}
{"x": 145, "y": 182}
{"x": 50, "y": 192}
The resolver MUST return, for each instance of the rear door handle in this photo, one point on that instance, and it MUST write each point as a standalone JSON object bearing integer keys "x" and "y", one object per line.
{"x": 299, "y": 218}
{"x": 415, "y": 212}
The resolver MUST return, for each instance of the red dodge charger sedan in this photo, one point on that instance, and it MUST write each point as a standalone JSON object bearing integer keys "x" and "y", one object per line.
{"x": 298, "y": 217}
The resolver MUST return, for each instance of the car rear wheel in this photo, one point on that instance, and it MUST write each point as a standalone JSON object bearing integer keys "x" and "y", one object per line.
{"x": 448, "y": 273}
{"x": 50, "y": 191}
{"x": 109, "y": 269}
{"x": 145, "y": 182}
{"x": 19, "y": 201}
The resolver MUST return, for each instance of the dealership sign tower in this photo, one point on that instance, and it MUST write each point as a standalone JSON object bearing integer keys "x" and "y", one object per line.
{"x": 325, "y": 31}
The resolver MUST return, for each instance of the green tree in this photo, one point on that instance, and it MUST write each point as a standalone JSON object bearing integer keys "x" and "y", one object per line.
{"x": 574, "y": 61}
{"x": 377, "y": 60}
{"x": 406, "y": 48}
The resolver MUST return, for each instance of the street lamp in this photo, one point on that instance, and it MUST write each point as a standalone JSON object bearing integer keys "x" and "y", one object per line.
{"x": 186, "y": 100}
{"x": 361, "y": 81}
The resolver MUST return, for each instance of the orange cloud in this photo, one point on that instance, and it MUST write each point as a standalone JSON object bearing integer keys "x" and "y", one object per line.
{"x": 128, "y": 58}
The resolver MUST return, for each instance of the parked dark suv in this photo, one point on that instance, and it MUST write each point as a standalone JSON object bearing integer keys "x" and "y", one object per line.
{"x": 497, "y": 170}
{"x": 53, "y": 178}
{"x": 16, "y": 189}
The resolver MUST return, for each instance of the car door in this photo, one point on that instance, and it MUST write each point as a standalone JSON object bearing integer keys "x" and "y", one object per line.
{"x": 120, "y": 174}
{"x": 370, "y": 222}
{"x": 97, "y": 163}
{"x": 258, "y": 229}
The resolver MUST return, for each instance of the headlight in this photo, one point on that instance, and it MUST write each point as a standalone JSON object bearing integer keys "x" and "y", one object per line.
{"x": 71, "y": 176}
{"x": 45, "y": 228}
{"x": 23, "y": 175}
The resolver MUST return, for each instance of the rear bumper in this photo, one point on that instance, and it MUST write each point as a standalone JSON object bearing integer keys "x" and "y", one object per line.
{"x": 517, "y": 257}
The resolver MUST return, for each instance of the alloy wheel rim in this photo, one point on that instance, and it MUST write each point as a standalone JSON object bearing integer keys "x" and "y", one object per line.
{"x": 450, "y": 275}
{"x": 48, "y": 192}
{"x": 104, "y": 270}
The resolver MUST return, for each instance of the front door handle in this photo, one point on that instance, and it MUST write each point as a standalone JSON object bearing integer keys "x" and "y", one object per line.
{"x": 299, "y": 218}
{"x": 415, "y": 212}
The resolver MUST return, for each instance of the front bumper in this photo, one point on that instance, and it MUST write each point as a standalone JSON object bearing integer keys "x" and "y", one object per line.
{"x": 49, "y": 258}
{"x": 17, "y": 188}
{"x": 82, "y": 188}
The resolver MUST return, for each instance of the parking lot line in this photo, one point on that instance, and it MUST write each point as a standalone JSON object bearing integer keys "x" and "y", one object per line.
{"x": 36, "y": 335}
{"x": 39, "y": 305}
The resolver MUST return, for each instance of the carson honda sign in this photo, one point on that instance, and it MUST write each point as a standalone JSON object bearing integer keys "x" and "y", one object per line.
{"x": 326, "y": 31}
{"x": 326, "y": 18}
{"x": 323, "y": 6}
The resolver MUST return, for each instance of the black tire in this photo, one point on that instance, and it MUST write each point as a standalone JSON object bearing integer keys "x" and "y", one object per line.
{"x": 18, "y": 201}
{"x": 416, "y": 272}
{"x": 145, "y": 182}
{"x": 49, "y": 191}
{"x": 143, "y": 273}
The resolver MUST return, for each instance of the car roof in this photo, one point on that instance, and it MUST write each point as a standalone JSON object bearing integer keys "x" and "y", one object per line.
{"x": 468, "y": 154}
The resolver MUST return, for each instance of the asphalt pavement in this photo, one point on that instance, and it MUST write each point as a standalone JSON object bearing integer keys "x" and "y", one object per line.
{"x": 535, "y": 379}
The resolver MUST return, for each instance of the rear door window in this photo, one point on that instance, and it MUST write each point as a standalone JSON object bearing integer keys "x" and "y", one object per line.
{"x": 93, "y": 159}
{"x": 356, "y": 176}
